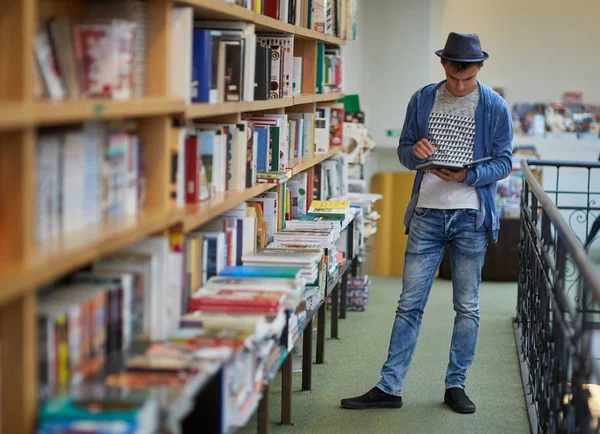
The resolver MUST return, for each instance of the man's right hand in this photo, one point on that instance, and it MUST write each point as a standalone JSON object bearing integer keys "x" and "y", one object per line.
{"x": 423, "y": 149}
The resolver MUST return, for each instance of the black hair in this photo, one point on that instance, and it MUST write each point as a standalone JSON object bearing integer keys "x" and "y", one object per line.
{"x": 460, "y": 66}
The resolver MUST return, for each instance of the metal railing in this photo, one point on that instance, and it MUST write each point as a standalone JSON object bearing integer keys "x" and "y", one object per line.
{"x": 558, "y": 315}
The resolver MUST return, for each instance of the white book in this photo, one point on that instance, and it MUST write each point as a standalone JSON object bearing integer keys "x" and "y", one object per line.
{"x": 131, "y": 179}
{"x": 46, "y": 62}
{"x": 174, "y": 291}
{"x": 297, "y": 76}
{"x": 161, "y": 303}
{"x": 95, "y": 138}
{"x": 48, "y": 187}
{"x": 309, "y": 134}
{"x": 321, "y": 136}
{"x": 249, "y": 236}
{"x": 182, "y": 23}
{"x": 284, "y": 9}
{"x": 73, "y": 182}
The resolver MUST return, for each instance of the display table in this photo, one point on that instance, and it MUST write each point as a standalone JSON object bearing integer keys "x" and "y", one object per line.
{"x": 501, "y": 259}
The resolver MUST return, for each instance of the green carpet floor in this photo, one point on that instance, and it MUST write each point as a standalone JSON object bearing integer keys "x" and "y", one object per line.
{"x": 353, "y": 363}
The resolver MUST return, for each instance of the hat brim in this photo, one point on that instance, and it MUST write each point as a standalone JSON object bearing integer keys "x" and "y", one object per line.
{"x": 485, "y": 56}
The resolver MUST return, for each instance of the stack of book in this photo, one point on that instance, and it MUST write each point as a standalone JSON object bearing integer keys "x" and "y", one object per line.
{"x": 87, "y": 175}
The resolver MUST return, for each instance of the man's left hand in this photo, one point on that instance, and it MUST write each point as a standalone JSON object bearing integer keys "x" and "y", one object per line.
{"x": 450, "y": 175}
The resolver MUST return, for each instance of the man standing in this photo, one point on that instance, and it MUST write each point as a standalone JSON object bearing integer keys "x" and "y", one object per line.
{"x": 456, "y": 118}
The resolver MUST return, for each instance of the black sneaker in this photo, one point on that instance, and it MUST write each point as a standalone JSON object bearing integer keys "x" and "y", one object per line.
{"x": 458, "y": 400}
{"x": 374, "y": 398}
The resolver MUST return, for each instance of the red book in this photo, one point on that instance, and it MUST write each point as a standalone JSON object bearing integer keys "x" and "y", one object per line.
{"x": 271, "y": 8}
{"x": 192, "y": 170}
{"x": 228, "y": 300}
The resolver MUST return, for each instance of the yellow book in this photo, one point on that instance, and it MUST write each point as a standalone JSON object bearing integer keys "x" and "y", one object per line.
{"x": 63, "y": 350}
{"x": 330, "y": 204}
{"x": 258, "y": 6}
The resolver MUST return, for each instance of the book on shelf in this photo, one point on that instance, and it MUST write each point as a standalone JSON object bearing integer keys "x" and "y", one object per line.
{"x": 87, "y": 175}
{"x": 102, "y": 55}
{"x": 334, "y": 17}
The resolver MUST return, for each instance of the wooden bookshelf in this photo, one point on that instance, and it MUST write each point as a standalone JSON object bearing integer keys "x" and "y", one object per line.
{"x": 26, "y": 266}
{"x": 60, "y": 256}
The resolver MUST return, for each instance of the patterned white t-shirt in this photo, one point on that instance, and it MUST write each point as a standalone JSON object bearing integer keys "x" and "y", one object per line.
{"x": 452, "y": 132}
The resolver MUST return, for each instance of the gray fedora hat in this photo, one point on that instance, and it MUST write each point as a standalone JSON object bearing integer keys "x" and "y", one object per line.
{"x": 463, "y": 47}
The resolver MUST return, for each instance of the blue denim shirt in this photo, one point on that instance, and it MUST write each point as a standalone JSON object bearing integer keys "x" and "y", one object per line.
{"x": 493, "y": 137}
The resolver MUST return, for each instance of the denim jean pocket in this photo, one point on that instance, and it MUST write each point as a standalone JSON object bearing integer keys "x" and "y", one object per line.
{"x": 470, "y": 213}
{"x": 420, "y": 212}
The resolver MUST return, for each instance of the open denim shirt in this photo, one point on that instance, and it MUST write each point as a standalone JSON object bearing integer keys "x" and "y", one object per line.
{"x": 493, "y": 137}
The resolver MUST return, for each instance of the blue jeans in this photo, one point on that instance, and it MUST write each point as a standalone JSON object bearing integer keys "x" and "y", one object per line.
{"x": 431, "y": 230}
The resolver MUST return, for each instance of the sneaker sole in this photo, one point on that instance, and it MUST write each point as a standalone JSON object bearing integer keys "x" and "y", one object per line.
{"x": 370, "y": 405}
{"x": 458, "y": 409}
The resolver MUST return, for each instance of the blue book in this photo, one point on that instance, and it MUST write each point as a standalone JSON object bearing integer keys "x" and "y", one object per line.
{"x": 122, "y": 415}
{"x": 262, "y": 153}
{"x": 258, "y": 271}
{"x": 201, "y": 65}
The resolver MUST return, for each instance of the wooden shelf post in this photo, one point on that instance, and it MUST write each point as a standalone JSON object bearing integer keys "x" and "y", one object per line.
{"x": 19, "y": 365}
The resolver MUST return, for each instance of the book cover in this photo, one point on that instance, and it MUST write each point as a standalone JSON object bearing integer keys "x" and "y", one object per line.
{"x": 201, "y": 65}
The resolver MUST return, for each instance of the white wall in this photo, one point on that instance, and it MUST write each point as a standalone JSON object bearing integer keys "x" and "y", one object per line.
{"x": 538, "y": 49}
{"x": 382, "y": 67}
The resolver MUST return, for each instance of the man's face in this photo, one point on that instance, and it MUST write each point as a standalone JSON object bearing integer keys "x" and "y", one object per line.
{"x": 461, "y": 83}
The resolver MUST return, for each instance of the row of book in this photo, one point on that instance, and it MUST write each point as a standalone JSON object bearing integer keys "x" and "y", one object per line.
{"x": 329, "y": 70}
{"x": 254, "y": 310}
{"x": 87, "y": 175}
{"x": 226, "y": 61}
{"x": 101, "y": 56}
{"x": 208, "y": 158}
{"x": 332, "y": 17}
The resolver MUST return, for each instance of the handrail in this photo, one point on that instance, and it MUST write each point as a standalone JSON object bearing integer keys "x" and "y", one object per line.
{"x": 572, "y": 244}
{"x": 561, "y": 163}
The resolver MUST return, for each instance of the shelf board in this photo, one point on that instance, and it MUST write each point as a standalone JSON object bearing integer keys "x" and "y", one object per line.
{"x": 219, "y": 10}
{"x": 57, "y": 112}
{"x": 305, "y": 33}
{"x": 333, "y": 40}
{"x": 65, "y": 254}
{"x": 41, "y": 113}
{"x": 310, "y": 98}
{"x": 200, "y": 214}
{"x": 200, "y": 110}
{"x": 306, "y": 163}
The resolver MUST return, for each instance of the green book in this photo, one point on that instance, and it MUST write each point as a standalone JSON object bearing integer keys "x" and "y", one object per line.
{"x": 274, "y": 148}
